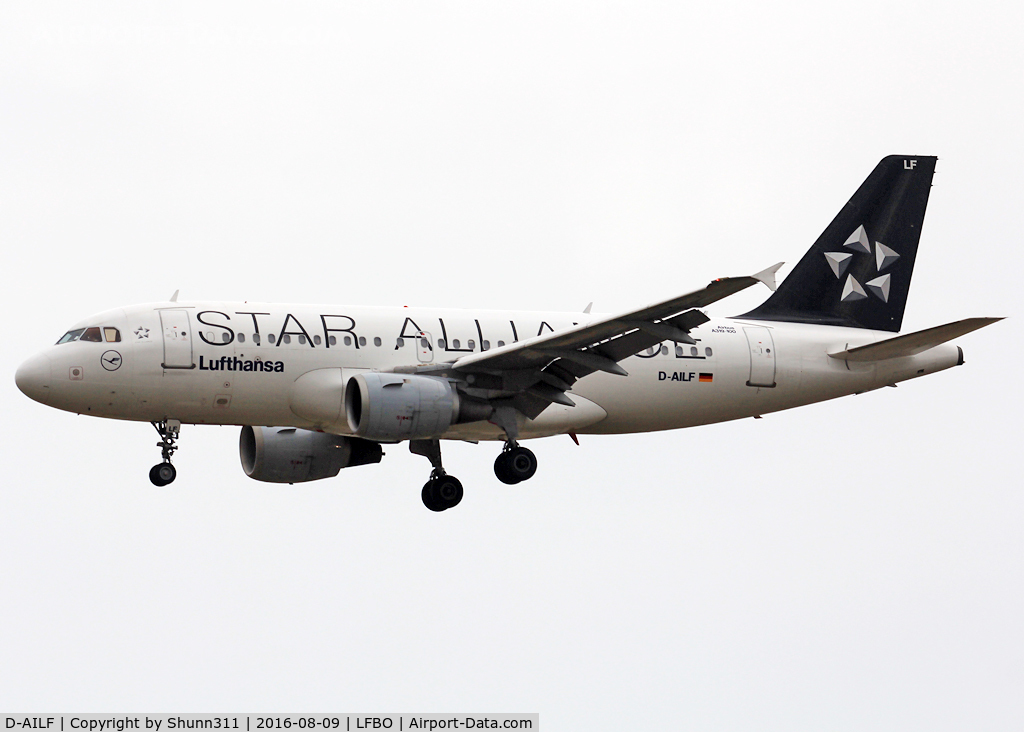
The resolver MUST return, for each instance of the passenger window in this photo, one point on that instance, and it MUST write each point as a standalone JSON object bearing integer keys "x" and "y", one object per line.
{"x": 113, "y": 335}
{"x": 679, "y": 351}
{"x": 256, "y": 338}
{"x": 501, "y": 343}
{"x": 226, "y": 337}
{"x": 270, "y": 339}
{"x": 707, "y": 352}
{"x": 241, "y": 337}
{"x": 302, "y": 340}
{"x": 440, "y": 343}
{"x": 471, "y": 345}
{"x": 362, "y": 340}
{"x": 400, "y": 343}
{"x": 485, "y": 346}
{"x": 286, "y": 339}
{"x": 332, "y": 341}
{"x": 377, "y": 342}
{"x": 693, "y": 350}
{"x": 317, "y": 341}
{"x": 71, "y": 335}
{"x": 456, "y": 345}
{"x": 348, "y": 341}
{"x": 664, "y": 350}
{"x": 92, "y": 335}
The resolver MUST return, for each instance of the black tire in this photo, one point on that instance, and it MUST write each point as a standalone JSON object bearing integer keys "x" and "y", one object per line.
{"x": 162, "y": 474}
{"x": 448, "y": 491}
{"x": 522, "y": 463}
{"x": 503, "y": 471}
{"x": 429, "y": 496}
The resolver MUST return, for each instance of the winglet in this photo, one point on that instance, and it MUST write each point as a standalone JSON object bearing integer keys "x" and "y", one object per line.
{"x": 586, "y": 310}
{"x": 767, "y": 276}
{"x": 174, "y": 297}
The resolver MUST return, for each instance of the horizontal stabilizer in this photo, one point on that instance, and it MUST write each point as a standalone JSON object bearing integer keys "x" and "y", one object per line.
{"x": 912, "y": 344}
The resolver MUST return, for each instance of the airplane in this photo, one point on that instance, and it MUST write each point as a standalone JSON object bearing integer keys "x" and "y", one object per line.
{"x": 318, "y": 388}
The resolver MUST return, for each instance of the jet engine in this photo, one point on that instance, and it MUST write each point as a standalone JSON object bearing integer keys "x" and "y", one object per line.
{"x": 290, "y": 455}
{"x": 406, "y": 407}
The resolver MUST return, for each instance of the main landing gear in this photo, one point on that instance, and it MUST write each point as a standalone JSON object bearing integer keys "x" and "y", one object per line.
{"x": 515, "y": 464}
{"x": 164, "y": 473}
{"x": 442, "y": 491}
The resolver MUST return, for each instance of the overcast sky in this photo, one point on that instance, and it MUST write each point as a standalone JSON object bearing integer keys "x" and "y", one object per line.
{"x": 845, "y": 566}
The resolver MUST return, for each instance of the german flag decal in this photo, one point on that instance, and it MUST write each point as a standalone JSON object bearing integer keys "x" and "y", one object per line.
{"x": 706, "y": 378}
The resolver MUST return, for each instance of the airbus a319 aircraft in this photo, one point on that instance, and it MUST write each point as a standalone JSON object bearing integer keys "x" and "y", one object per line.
{"x": 338, "y": 382}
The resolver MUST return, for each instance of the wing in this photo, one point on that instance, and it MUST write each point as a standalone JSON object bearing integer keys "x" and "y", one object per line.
{"x": 538, "y": 371}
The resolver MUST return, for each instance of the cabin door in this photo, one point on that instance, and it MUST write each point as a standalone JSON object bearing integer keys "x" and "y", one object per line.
{"x": 762, "y": 357}
{"x": 177, "y": 339}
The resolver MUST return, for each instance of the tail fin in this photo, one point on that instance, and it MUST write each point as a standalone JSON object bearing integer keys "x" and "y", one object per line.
{"x": 858, "y": 272}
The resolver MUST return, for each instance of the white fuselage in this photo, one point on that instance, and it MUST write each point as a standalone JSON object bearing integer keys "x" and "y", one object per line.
{"x": 237, "y": 363}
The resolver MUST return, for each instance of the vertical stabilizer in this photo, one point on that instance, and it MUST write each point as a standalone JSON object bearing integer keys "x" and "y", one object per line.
{"x": 858, "y": 272}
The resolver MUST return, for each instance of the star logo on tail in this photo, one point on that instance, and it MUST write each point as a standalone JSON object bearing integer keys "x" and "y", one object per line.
{"x": 860, "y": 243}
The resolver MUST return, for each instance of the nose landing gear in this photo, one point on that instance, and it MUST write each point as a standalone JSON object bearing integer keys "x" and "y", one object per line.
{"x": 164, "y": 473}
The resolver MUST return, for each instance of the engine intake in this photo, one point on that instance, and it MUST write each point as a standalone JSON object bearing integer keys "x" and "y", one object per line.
{"x": 398, "y": 406}
{"x": 406, "y": 407}
{"x": 290, "y": 455}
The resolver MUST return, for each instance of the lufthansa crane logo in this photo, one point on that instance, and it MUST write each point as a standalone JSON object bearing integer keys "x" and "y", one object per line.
{"x": 111, "y": 360}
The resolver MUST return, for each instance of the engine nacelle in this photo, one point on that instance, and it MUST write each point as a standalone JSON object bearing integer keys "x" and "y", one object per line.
{"x": 400, "y": 406}
{"x": 290, "y": 455}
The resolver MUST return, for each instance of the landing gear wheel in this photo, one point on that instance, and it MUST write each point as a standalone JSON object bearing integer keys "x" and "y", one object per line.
{"x": 503, "y": 471}
{"x": 162, "y": 474}
{"x": 448, "y": 491}
{"x": 515, "y": 465}
{"x": 429, "y": 496}
{"x": 442, "y": 493}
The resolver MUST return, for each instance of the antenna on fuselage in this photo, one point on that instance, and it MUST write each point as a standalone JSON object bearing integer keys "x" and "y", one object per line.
{"x": 174, "y": 297}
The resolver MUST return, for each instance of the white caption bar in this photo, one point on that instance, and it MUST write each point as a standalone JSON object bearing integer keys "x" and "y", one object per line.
{"x": 269, "y": 722}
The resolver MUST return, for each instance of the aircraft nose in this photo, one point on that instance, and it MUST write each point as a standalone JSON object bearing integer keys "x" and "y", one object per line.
{"x": 33, "y": 378}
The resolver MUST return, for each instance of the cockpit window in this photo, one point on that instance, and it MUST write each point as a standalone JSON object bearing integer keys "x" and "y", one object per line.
{"x": 71, "y": 335}
{"x": 93, "y": 335}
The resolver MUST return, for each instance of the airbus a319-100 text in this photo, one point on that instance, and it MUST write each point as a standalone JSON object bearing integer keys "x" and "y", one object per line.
{"x": 340, "y": 381}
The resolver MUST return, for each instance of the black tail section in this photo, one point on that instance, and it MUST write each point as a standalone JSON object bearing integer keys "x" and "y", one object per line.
{"x": 857, "y": 273}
